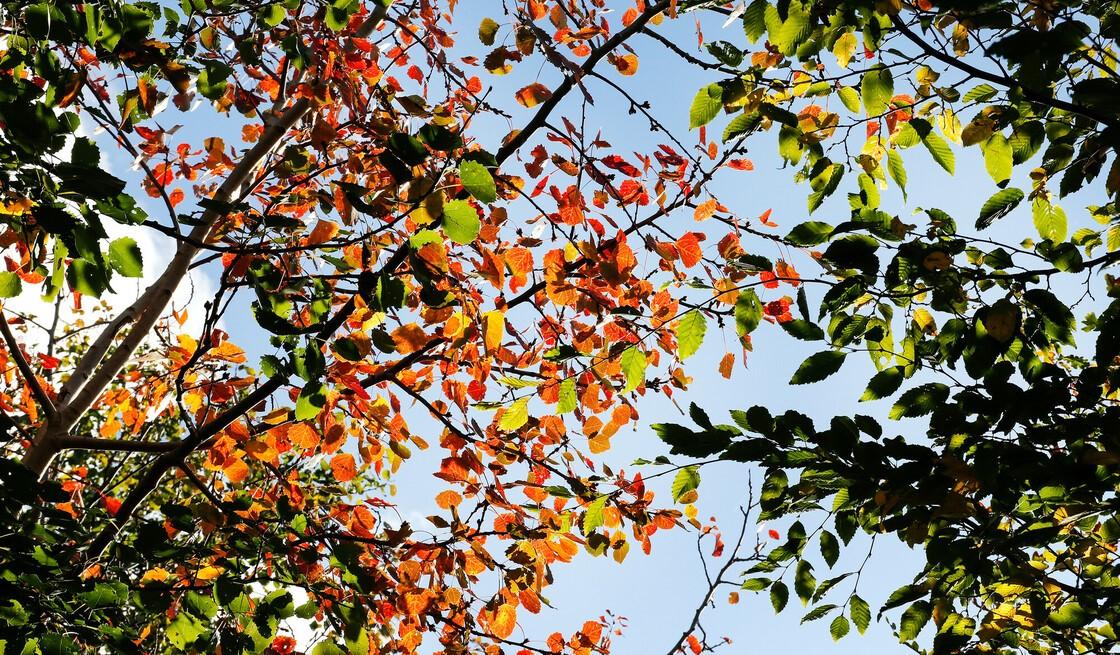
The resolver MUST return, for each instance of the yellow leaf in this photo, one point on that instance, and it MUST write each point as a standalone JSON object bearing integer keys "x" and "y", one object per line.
{"x": 209, "y": 572}
{"x": 495, "y": 329}
{"x": 155, "y": 575}
{"x": 844, "y": 48}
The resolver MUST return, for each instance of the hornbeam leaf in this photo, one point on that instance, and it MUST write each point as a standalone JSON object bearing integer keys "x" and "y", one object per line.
{"x": 690, "y": 333}
{"x": 705, "y": 106}
{"x": 920, "y": 400}
{"x": 860, "y": 612}
{"x": 686, "y": 480}
{"x": 633, "y": 363}
{"x": 1050, "y": 220}
{"x": 818, "y": 367}
{"x": 999, "y": 205}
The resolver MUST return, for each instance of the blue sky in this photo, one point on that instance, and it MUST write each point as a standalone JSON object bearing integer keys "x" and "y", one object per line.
{"x": 659, "y": 592}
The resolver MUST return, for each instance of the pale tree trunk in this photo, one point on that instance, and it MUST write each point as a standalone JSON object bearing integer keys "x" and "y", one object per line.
{"x": 95, "y": 371}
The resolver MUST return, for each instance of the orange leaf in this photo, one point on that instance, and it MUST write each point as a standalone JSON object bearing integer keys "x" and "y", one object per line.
{"x": 448, "y": 499}
{"x": 689, "y": 248}
{"x": 765, "y": 219}
{"x": 503, "y": 622}
{"x": 409, "y": 338}
{"x": 533, "y": 95}
{"x": 343, "y": 467}
{"x": 530, "y": 600}
{"x": 741, "y": 164}
{"x": 324, "y": 231}
{"x": 626, "y": 64}
{"x": 303, "y": 436}
{"x": 726, "y": 364}
{"x": 706, "y": 209}
{"x": 785, "y": 270}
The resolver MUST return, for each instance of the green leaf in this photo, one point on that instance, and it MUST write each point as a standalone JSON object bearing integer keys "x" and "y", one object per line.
{"x": 312, "y": 399}
{"x": 849, "y": 97}
{"x": 567, "y": 402}
{"x": 105, "y": 595}
{"x": 741, "y": 124}
{"x": 839, "y": 627}
{"x": 982, "y": 93}
{"x": 804, "y": 330}
{"x": 755, "y": 584}
{"x": 478, "y": 181}
{"x": 998, "y": 157}
{"x": 754, "y": 20}
{"x": 818, "y": 612}
{"x": 461, "y": 222}
{"x": 877, "y": 89}
{"x": 920, "y": 400}
{"x": 860, "y": 612}
{"x": 515, "y": 416}
{"x": 999, "y": 205}
{"x": 633, "y": 363}
{"x": 328, "y": 648}
{"x": 779, "y": 595}
{"x": 897, "y": 169}
{"x": 683, "y": 441}
{"x": 1050, "y": 220}
{"x": 1058, "y": 321}
{"x": 883, "y": 384}
{"x": 941, "y": 152}
{"x": 690, "y": 333}
{"x": 1071, "y": 615}
{"x": 184, "y": 630}
{"x": 748, "y": 312}
{"x": 803, "y": 581}
{"x": 818, "y": 367}
{"x": 796, "y": 28}
{"x": 913, "y": 620}
{"x": 594, "y": 519}
{"x": 810, "y": 233}
{"x": 10, "y": 285}
{"x": 86, "y": 278}
{"x": 125, "y": 257}
{"x": 686, "y": 480}
{"x": 830, "y": 548}
{"x": 705, "y": 106}
{"x": 272, "y": 15}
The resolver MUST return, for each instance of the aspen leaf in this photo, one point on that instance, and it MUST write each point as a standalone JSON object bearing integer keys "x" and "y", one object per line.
{"x": 515, "y": 416}
{"x": 504, "y": 621}
{"x": 487, "y": 30}
{"x": 533, "y": 95}
{"x": 343, "y": 467}
{"x": 494, "y": 323}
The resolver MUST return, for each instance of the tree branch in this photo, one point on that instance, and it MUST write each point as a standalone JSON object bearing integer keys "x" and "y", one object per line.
{"x": 1030, "y": 94}
{"x": 569, "y": 83}
{"x": 24, "y": 368}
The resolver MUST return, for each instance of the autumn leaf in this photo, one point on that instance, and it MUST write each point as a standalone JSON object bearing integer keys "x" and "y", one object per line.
{"x": 503, "y": 621}
{"x": 343, "y": 467}
{"x": 409, "y": 338}
{"x": 302, "y": 435}
{"x": 533, "y": 95}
